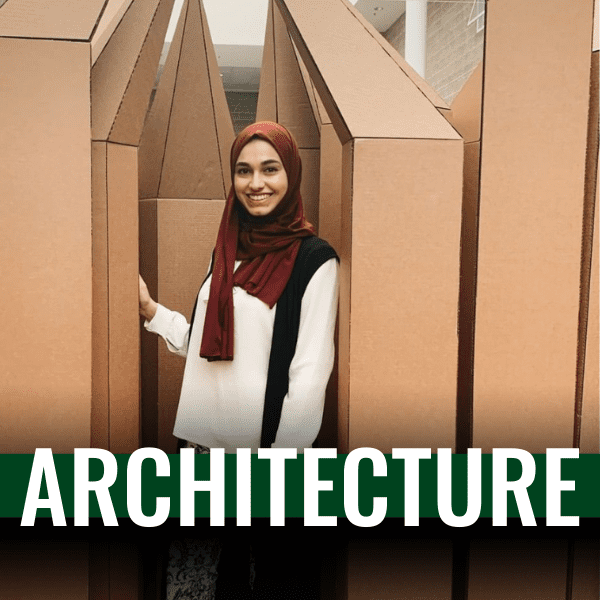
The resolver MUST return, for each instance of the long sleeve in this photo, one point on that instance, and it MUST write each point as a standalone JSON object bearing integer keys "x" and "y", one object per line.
{"x": 311, "y": 366}
{"x": 172, "y": 327}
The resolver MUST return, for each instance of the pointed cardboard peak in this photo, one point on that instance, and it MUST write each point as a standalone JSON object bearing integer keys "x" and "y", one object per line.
{"x": 154, "y": 135}
{"x": 266, "y": 109}
{"x": 123, "y": 75}
{"x": 466, "y": 108}
{"x": 188, "y": 133}
{"x": 317, "y": 105}
{"x": 427, "y": 90}
{"x": 111, "y": 17}
{"x": 294, "y": 109}
{"x": 365, "y": 91}
{"x": 50, "y": 19}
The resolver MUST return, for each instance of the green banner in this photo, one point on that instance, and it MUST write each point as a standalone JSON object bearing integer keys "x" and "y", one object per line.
{"x": 582, "y": 473}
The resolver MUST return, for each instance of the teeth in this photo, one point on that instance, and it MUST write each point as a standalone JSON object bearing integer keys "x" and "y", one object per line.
{"x": 259, "y": 197}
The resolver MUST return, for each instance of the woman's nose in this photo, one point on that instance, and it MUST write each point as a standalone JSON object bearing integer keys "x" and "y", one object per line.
{"x": 257, "y": 183}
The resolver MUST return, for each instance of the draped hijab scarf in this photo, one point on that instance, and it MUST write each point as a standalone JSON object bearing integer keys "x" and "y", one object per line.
{"x": 267, "y": 245}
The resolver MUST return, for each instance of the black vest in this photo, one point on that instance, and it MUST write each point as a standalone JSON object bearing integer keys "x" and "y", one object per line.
{"x": 313, "y": 253}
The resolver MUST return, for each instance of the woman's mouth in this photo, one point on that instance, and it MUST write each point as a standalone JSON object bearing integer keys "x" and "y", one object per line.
{"x": 258, "y": 197}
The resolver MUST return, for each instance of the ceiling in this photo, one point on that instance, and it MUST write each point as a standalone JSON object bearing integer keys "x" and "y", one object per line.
{"x": 238, "y": 31}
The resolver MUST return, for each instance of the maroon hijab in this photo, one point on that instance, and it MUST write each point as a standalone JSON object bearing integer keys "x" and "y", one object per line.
{"x": 268, "y": 245}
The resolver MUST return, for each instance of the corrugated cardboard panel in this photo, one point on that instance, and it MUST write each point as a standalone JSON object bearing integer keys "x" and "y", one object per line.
{"x": 123, "y": 75}
{"x": 466, "y": 108}
{"x": 59, "y": 19}
{"x": 225, "y": 134}
{"x": 345, "y": 253}
{"x": 590, "y": 426}
{"x": 187, "y": 230}
{"x": 45, "y": 246}
{"x": 359, "y": 106}
{"x": 294, "y": 109}
{"x": 517, "y": 569}
{"x": 595, "y": 42}
{"x": 129, "y": 120}
{"x": 111, "y": 17}
{"x": 100, "y": 314}
{"x": 154, "y": 135}
{"x": 44, "y": 570}
{"x": 192, "y": 162}
{"x": 309, "y": 187}
{"x": 405, "y": 272}
{"x": 427, "y": 90}
{"x": 330, "y": 216}
{"x": 532, "y": 178}
{"x": 393, "y": 569}
{"x": 266, "y": 109}
{"x": 586, "y": 570}
{"x": 149, "y": 343}
{"x": 315, "y": 102}
{"x": 123, "y": 265}
{"x": 467, "y": 296}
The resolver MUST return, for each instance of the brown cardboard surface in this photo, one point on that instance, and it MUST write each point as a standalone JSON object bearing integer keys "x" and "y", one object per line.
{"x": 466, "y": 108}
{"x": 149, "y": 343}
{"x": 590, "y": 426}
{"x": 404, "y": 271}
{"x": 318, "y": 110}
{"x": 221, "y": 112}
{"x": 187, "y": 231}
{"x": 191, "y": 129}
{"x": 123, "y": 75}
{"x": 123, "y": 264}
{"x": 425, "y": 88}
{"x": 266, "y": 109}
{"x": 517, "y": 569}
{"x": 309, "y": 187}
{"x": 586, "y": 569}
{"x": 58, "y": 20}
{"x": 595, "y": 42}
{"x": 100, "y": 314}
{"x": 532, "y": 178}
{"x": 392, "y": 569}
{"x": 294, "y": 109}
{"x": 359, "y": 107}
{"x": 110, "y": 19}
{"x": 330, "y": 201}
{"x": 44, "y": 570}
{"x": 45, "y": 247}
{"x": 467, "y": 296}
{"x": 154, "y": 135}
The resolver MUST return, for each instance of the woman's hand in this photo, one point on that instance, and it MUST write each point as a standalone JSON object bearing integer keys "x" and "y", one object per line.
{"x": 147, "y": 305}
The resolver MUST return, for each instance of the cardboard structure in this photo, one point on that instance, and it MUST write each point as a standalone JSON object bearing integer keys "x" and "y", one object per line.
{"x": 521, "y": 342}
{"x": 69, "y": 254}
{"x": 183, "y": 181}
{"x": 400, "y": 229}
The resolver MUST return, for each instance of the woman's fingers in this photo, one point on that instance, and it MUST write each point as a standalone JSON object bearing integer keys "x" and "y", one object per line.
{"x": 147, "y": 305}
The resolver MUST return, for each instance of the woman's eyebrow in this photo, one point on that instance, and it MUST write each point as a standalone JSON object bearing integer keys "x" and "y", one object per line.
{"x": 264, "y": 162}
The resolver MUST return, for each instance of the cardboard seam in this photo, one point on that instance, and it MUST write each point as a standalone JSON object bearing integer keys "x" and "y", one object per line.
{"x": 116, "y": 143}
{"x": 95, "y": 27}
{"x": 51, "y": 39}
{"x": 162, "y": 162}
{"x": 446, "y": 107}
{"x": 158, "y": 4}
{"x": 113, "y": 33}
{"x": 212, "y": 98}
{"x": 289, "y": 21}
{"x": 585, "y": 275}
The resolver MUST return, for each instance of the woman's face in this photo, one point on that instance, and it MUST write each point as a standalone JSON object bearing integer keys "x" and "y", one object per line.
{"x": 260, "y": 181}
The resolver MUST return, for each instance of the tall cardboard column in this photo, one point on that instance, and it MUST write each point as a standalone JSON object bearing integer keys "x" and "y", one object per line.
{"x": 283, "y": 98}
{"x": 400, "y": 222}
{"x": 184, "y": 179}
{"x": 531, "y": 189}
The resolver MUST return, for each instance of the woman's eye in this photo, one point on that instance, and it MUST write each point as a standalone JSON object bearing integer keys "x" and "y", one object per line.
{"x": 271, "y": 169}
{"x": 242, "y": 171}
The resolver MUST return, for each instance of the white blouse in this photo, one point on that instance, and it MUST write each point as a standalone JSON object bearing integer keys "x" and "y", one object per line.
{"x": 221, "y": 403}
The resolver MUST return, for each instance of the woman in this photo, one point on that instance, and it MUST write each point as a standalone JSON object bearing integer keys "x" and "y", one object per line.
{"x": 259, "y": 349}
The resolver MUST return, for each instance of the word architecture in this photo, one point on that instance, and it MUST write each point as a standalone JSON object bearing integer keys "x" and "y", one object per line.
{"x": 375, "y": 466}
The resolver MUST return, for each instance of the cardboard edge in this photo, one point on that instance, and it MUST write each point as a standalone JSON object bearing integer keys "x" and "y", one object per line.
{"x": 106, "y": 26}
